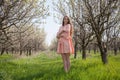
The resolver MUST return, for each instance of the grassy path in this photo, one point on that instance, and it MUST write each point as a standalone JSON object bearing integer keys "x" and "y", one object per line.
{"x": 49, "y": 67}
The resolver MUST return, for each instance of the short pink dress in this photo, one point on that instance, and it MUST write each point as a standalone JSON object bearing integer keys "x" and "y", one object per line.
{"x": 65, "y": 44}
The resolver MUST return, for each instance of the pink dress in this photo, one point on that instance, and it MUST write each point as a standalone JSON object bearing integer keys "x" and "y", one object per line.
{"x": 65, "y": 44}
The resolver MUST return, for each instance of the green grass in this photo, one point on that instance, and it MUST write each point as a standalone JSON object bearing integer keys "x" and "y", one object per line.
{"x": 48, "y": 66}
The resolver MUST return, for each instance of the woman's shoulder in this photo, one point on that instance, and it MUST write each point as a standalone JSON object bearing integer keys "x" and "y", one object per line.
{"x": 70, "y": 25}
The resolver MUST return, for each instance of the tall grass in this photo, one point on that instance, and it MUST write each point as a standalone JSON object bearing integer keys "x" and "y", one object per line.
{"x": 48, "y": 66}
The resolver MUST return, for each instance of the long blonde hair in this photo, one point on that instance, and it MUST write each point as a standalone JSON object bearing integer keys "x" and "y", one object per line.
{"x": 69, "y": 22}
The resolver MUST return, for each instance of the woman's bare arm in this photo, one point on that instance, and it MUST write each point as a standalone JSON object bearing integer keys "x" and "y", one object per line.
{"x": 60, "y": 32}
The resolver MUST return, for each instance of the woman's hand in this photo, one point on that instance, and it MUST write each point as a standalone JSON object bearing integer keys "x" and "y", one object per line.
{"x": 58, "y": 36}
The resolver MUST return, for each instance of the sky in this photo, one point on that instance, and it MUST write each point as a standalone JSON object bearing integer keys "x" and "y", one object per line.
{"x": 51, "y": 27}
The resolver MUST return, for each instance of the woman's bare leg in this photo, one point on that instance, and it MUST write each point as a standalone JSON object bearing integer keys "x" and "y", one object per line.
{"x": 68, "y": 61}
{"x": 64, "y": 61}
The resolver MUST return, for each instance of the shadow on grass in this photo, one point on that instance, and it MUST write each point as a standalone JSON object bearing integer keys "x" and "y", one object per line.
{"x": 33, "y": 76}
{"x": 117, "y": 58}
{"x": 45, "y": 74}
{"x": 38, "y": 71}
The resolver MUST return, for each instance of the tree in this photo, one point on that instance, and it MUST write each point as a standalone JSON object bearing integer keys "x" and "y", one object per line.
{"x": 100, "y": 16}
{"x": 14, "y": 12}
{"x": 17, "y": 14}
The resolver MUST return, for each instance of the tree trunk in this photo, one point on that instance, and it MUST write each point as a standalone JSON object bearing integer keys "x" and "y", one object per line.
{"x": 12, "y": 50}
{"x": 20, "y": 48}
{"x": 115, "y": 47}
{"x": 83, "y": 53}
{"x": 115, "y": 51}
{"x": 20, "y": 52}
{"x": 94, "y": 51}
{"x": 103, "y": 53}
{"x": 27, "y": 51}
{"x": 7, "y": 51}
{"x": 75, "y": 54}
{"x": 2, "y": 51}
{"x": 104, "y": 57}
{"x": 89, "y": 50}
{"x": 30, "y": 49}
{"x": 20, "y": 40}
{"x": 119, "y": 49}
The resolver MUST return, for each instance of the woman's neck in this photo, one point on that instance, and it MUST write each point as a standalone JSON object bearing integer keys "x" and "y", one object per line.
{"x": 65, "y": 24}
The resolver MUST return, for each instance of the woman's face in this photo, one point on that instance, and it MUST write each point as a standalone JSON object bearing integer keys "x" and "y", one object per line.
{"x": 66, "y": 20}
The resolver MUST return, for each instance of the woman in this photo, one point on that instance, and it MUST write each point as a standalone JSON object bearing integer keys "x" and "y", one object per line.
{"x": 65, "y": 46}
